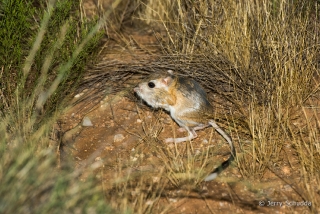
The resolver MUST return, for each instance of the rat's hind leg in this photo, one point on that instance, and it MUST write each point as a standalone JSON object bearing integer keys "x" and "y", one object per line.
{"x": 192, "y": 135}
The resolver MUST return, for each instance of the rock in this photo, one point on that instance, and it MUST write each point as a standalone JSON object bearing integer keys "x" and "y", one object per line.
{"x": 86, "y": 122}
{"x": 149, "y": 202}
{"x": 173, "y": 200}
{"x": 155, "y": 179}
{"x": 118, "y": 138}
{"x": 205, "y": 141}
{"x": 286, "y": 170}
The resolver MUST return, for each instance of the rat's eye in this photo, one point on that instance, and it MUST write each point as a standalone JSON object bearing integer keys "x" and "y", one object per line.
{"x": 151, "y": 85}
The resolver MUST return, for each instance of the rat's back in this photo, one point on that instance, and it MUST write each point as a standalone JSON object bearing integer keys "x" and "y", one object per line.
{"x": 192, "y": 104}
{"x": 192, "y": 88}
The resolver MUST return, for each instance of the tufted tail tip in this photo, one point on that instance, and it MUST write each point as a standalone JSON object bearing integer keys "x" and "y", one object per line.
{"x": 211, "y": 177}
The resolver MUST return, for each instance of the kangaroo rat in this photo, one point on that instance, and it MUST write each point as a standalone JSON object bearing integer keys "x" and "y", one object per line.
{"x": 188, "y": 105}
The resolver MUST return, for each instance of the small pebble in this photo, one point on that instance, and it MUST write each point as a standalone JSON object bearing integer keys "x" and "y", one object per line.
{"x": 118, "y": 138}
{"x": 133, "y": 158}
{"x": 224, "y": 194}
{"x": 286, "y": 170}
{"x": 173, "y": 200}
{"x": 155, "y": 179}
{"x": 86, "y": 122}
{"x": 287, "y": 187}
{"x": 149, "y": 202}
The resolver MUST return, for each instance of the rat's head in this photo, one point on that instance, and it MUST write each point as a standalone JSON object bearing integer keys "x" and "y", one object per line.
{"x": 158, "y": 93}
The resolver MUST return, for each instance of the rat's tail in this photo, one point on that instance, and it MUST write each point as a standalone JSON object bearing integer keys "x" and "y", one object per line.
{"x": 226, "y": 163}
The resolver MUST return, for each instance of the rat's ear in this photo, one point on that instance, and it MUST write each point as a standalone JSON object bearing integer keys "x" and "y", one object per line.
{"x": 167, "y": 81}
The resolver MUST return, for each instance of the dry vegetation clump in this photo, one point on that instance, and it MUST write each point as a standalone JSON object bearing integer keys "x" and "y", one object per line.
{"x": 44, "y": 49}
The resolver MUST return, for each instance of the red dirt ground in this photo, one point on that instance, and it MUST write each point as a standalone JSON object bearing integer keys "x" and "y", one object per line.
{"x": 97, "y": 146}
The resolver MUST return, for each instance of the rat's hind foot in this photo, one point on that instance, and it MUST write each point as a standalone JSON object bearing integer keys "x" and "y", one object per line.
{"x": 192, "y": 135}
{"x": 177, "y": 140}
{"x": 181, "y": 129}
